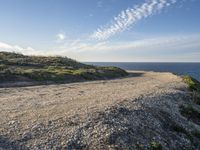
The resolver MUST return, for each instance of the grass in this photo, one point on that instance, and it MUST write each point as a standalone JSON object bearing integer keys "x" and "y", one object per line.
{"x": 194, "y": 87}
{"x": 17, "y": 67}
{"x": 191, "y": 110}
{"x": 16, "y": 59}
{"x": 155, "y": 146}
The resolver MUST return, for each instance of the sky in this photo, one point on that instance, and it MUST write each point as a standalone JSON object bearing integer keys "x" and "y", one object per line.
{"x": 103, "y": 30}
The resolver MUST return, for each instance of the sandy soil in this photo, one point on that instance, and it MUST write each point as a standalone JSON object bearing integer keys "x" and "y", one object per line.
{"x": 49, "y": 116}
{"x": 51, "y": 102}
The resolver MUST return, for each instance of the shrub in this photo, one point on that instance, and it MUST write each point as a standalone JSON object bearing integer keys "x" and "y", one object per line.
{"x": 193, "y": 84}
{"x": 155, "y": 146}
{"x": 56, "y": 68}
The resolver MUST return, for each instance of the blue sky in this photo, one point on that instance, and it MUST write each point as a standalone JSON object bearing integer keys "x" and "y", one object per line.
{"x": 103, "y": 30}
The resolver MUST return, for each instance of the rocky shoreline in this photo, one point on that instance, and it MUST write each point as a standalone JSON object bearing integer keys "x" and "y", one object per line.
{"x": 138, "y": 112}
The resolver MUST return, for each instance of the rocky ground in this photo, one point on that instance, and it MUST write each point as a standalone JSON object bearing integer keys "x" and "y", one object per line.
{"x": 138, "y": 112}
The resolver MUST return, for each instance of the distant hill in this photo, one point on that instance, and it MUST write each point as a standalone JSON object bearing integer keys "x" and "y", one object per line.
{"x": 16, "y": 67}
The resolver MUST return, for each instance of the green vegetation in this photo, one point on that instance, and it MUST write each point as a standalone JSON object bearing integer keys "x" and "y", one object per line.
{"x": 193, "y": 84}
{"x": 194, "y": 87}
{"x": 191, "y": 110}
{"x": 155, "y": 146}
{"x": 18, "y": 67}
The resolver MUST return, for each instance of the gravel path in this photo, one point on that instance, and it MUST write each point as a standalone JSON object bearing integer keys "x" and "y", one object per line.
{"x": 126, "y": 113}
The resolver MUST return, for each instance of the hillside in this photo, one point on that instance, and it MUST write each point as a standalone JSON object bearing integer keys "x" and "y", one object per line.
{"x": 39, "y": 69}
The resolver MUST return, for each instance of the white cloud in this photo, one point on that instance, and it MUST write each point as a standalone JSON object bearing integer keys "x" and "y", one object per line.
{"x": 60, "y": 37}
{"x": 128, "y": 50}
{"x": 5, "y": 46}
{"x": 129, "y": 17}
{"x": 171, "y": 42}
{"x": 19, "y": 49}
{"x": 171, "y": 48}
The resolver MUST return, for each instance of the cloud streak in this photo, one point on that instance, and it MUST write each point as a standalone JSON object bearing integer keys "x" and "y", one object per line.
{"x": 149, "y": 49}
{"x": 186, "y": 46}
{"x": 131, "y": 16}
{"x": 158, "y": 43}
{"x": 19, "y": 49}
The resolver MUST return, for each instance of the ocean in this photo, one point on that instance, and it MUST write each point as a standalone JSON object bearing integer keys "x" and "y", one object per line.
{"x": 192, "y": 69}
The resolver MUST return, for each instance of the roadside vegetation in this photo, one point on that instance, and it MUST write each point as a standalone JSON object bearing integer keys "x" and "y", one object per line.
{"x": 191, "y": 110}
{"x": 155, "y": 146}
{"x": 194, "y": 85}
{"x": 17, "y": 67}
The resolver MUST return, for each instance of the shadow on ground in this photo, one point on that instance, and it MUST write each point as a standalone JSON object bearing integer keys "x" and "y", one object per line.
{"x": 135, "y": 74}
{"x": 35, "y": 83}
{"x": 123, "y": 127}
{"x": 7, "y": 144}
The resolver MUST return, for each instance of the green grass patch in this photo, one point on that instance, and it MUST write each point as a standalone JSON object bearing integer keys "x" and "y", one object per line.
{"x": 194, "y": 85}
{"x": 17, "y": 67}
{"x": 155, "y": 146}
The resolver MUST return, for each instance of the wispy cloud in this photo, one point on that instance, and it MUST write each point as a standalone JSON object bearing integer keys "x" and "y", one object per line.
{"x": 171, "y": 48}
{"x": 186, "y": 48}
{"x": 19, "y": 49}
{"x": 5, "y": 46}
{"x": 60, "y": 37}
{"x": 181, "y": 42}
{"x": 130, "y": 16}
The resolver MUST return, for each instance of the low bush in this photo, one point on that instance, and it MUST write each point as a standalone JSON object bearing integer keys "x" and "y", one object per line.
{"x": 194, "y": 85}
{"x": 40, "y": 68}
{"x": 155, "y": 146}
